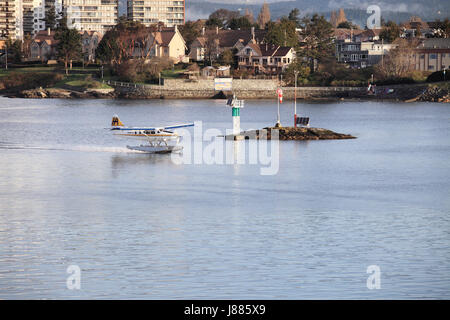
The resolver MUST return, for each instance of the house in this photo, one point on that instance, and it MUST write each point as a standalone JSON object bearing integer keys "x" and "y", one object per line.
{"x": 89, "y": 43}
{"x": 219, "y": 40}
{"x": 265, "y": 58}
{"x": 416, "y": 28}
{"x": 361, "y": 54}
{"x": 43, "y": 46}
{"x": 345, "y": 34}
{"x": 432, "y": 55}
{"x": 165, "y": 42}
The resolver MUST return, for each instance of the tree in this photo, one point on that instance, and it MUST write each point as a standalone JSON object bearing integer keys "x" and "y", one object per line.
{"x": 390, "y": 32}
{"x": 211, "y": 48}
{"x": 293, "y": 16}
{"x": 191, "y": 30}
{"x": 221, "y": 17}
{"x": 249, "y": 15}
{"x": 347, "y": 25}
{"x": 50, "y": 17}
{"x": 15, "y": 50}
{"x": 125, "y": 40}
{"x": 68, "y": 45}
{"x": 226, "y": 57}
{"x": 264, "y": 16}
{"x": 108, "y": 50}
{"x": 317, "y": 43}
{"x": 240, "y": 23}
{"x": 443, "y": 29}
{"x": 282, "y": 33}
{"x": 399, "y": 62}
{"x": 301, "y": 67}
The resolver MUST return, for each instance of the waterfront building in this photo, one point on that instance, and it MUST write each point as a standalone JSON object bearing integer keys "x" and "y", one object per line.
{"x": 265, "y": 59}
{"x": 43, "y": 46}
{"x": 233, "y": 40}
{"x": 432, "y": 55}
{"x": 361, "y": 54}
{"x": 166, "y": 42}
{"x": 148, "y": 12}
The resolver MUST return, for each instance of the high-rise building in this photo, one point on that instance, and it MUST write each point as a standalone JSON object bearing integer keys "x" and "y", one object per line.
{"x": 28, "y": 14}
{"x": 11, "y": 19}
{"x": 91, "y": 15}
{"x": 40, "y": 11}
{"x": 171, "y": 13}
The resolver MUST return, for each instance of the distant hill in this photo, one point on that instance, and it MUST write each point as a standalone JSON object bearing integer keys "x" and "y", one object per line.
{"x": 355, "y": 11}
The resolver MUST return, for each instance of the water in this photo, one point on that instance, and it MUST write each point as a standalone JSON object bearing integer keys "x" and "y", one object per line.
{"x": 139, "y": 226}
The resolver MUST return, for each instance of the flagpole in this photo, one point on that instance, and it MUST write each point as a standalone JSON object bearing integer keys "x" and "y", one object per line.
{"x": 295, "y": 99}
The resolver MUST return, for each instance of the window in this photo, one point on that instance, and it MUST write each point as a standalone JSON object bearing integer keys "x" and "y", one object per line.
{"x": 433, "y": 56}
{"x": 430, "y": 67}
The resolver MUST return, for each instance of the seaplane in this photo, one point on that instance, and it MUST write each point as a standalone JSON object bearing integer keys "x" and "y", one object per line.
{"x": 159, "y": 139}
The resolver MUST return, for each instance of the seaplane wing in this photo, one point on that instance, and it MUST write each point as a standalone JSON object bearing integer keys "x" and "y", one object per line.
{"x": 116, "y": 124}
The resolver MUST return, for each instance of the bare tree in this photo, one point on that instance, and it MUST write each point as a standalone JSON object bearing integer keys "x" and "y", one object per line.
{"x": 264, "y": 16}
{"x": 399, "y": 62}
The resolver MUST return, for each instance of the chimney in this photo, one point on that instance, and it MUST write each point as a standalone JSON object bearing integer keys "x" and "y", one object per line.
{"x": 49, "y": 32}
{"x": 253, "y": 33}
{"x": 203, "y": 31}
{"x": 217, "y": 29}
{"x": 175, "y": 28}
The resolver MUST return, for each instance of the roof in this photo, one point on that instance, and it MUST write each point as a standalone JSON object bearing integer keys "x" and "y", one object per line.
{"x": 435, "y": 43}
{"x": 415, "y": 22}
{"x": 343, "y": 33}
{"x": 44, "y": 35}
{"x": 166, "y": 36}
{"x": 267, "y": 50}
{"x": 228, "y": 38}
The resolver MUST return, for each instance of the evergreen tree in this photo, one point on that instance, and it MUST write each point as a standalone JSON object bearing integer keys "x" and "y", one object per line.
{"x": 282, "y": 33}
{"x": 390, "y": 32}
{"x": 293, "y": 16}
{"x": 317, "y": 44}
{"x": 68, "y": 46}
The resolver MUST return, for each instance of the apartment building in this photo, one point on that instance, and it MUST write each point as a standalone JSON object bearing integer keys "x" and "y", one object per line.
{"x": 171, "y": 13}
{"x": 11, "y": 19}
{"x": 40, "y": 11}
{"x": 433, "y": 55}
{"x": 91, "y": 15}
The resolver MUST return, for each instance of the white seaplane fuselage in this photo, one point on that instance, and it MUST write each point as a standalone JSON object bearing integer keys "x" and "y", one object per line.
{"x": 159, "y": 140}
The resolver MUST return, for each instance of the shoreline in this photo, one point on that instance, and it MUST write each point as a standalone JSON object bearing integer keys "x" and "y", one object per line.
{"x": 398, "y": 93}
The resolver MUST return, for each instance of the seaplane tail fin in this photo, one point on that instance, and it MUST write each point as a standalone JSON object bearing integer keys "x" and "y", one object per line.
{"x": 116, "y": 122}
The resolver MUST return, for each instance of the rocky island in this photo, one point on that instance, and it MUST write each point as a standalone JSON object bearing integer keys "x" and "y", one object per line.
{"x": 293, "y": 133}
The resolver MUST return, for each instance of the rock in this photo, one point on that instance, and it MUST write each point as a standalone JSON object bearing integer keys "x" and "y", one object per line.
{"x": 292, "y": 133}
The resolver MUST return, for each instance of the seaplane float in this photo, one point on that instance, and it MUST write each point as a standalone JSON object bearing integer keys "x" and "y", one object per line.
{"x": 159, "y": 139}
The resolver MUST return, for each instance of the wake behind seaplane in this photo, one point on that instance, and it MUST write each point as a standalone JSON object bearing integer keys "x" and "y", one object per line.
{"x": 159, "y": 139}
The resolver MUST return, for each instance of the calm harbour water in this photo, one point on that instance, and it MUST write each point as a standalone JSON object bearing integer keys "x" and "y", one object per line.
{"x": 140, "y": 226}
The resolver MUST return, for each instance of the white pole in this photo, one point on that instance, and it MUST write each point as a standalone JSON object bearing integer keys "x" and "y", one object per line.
{"x": 295, "y": 99}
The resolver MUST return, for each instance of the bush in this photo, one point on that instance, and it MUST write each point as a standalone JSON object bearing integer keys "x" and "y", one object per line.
{"x": 143, "y": 71}
{"x": 31, "y": 80}
{"x": 438, "y": 76}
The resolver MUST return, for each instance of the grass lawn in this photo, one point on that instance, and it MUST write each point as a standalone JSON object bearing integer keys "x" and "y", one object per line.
{"x": 176, "y": 73}
{"x": 81, "y": 81}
